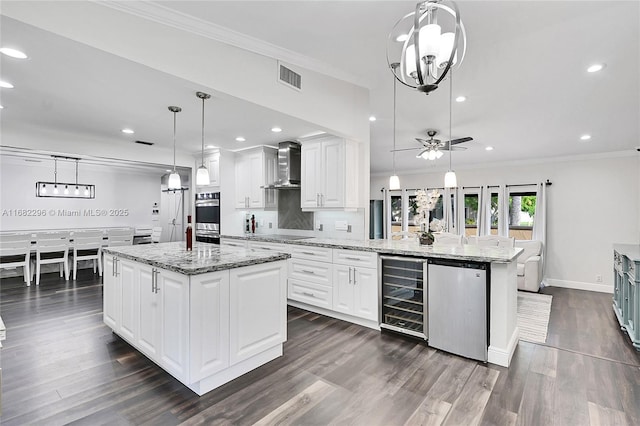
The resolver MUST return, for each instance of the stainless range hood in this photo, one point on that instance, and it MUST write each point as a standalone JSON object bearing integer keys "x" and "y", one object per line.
{"x": 289, "y": 159}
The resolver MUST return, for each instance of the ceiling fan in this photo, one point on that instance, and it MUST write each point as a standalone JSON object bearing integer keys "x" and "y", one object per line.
{"x": 432, "y": 148}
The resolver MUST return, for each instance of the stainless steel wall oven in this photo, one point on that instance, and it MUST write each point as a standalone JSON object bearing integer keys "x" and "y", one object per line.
{"x": 208, "y": 217}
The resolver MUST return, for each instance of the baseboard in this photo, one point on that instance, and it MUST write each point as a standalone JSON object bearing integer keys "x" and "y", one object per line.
{"x": 578, "y": 285}
{"x": 502, "y": 356}
{"x": 338, "y": 315}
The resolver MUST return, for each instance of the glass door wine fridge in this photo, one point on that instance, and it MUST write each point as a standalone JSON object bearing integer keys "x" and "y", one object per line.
{"x": 403, "y": 295}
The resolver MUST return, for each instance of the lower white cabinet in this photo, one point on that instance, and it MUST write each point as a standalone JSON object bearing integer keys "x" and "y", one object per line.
{"x": 355, "y": 291}
{"x": 111, "y": 289}
{"x": 257, "y": 310}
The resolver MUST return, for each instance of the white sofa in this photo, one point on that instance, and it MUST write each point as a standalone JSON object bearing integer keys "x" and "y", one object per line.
{"x": 529, "y": 265}
{"x": 491, "y": 241}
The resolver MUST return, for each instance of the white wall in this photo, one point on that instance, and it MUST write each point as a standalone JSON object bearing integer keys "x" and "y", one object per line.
{"x": 592, "y": 204}
{"x": 116, "y": 189}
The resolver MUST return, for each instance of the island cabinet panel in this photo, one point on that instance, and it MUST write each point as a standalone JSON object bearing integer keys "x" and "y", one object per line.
{"x": 148, "y": 312}
{"x": 209, "y": 324}
{"x": 112, "y": 293}
{"x": 355, "y": 291}
{"x": 129, "y": 286}
{"x": 257, "y": 310}
{"x": 173, "y": 290}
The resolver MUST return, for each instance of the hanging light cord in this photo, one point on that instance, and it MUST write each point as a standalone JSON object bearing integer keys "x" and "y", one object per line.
{"x": 76, "y": 173}
{"x": 203, "y": 132}
{"x": 394, "y": 125}
{"x": 450, "y": 103}
{"x": 174, "y": 141}
{"x": 55, "y": 171}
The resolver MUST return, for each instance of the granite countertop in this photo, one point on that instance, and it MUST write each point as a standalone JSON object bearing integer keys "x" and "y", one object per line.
{"x": 202, "y": 259}
{"x": 632, "y": 251}
{"x": 401, "y": 248}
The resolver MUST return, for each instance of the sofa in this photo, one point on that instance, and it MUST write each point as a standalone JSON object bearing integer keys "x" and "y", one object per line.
{"x": 529, "y": 265}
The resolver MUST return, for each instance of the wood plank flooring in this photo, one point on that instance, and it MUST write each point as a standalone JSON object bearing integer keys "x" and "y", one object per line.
{"x": 61, "y": 365}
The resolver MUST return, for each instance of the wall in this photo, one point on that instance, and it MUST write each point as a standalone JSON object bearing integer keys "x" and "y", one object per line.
{"x": 592, "y": 204}
{"x": 116, "y": 189}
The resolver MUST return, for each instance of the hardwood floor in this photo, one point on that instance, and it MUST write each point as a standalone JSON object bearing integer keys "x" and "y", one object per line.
{"x": 61, "y": 365}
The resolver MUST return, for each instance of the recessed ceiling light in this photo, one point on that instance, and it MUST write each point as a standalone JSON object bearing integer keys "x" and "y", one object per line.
{"x": 402, "y": 37}
{"x": 13, "y": 53}
{"x": 372, "y": 118}
{"x": 128, "y": 131}
{"x": 276, "y": 129}
{"x": 595, "y": 67}
{"x": 585, "y": 137}
{"x": 210, "y": 146}
{"x": 489, "y": 148}
{"x": 461, "y": 98}
{"x": 1, "y": 107}
{"x": 6, "y": 85}
{"x": 240, "y": 139}
{"x": 168, "y": 170}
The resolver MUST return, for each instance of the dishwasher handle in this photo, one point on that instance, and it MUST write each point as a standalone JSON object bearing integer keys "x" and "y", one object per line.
{"x": 458, "y": 263}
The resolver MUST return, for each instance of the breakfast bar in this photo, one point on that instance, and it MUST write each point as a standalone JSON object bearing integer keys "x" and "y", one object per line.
{"x": 205, "y": 316}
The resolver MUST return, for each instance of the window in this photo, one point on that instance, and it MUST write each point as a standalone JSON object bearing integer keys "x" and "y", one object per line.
{"x": 522, "y": 208}
{"x": 470, "y": 214}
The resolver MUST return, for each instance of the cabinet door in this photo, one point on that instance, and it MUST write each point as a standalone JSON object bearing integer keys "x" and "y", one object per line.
{"x": 243, "y": 181}
{"x": 333, "y": 175}
{"x": 209, "y": 324}
{"x": 112, "y": 293}
{"x": 173, "y": 292}
{"x": 366, "y": 293}
{"x": 311, "y": 177}
{"x": 271, "y": 175}
{"x": 129, "y": 300}
{"x": 343, "y": 289}
{"x": 149, "y": 313}
{"x": 214, "y": 169}
{"x": 256, "y": 173}
{"x": 258, "y": 311}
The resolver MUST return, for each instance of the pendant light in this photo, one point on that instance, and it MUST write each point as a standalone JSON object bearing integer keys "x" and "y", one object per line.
{"x": 450, "y": 180}
{"x": 202, "y": 176}
{"x": 174, "y": 177}
{"x": 394, "y": 180}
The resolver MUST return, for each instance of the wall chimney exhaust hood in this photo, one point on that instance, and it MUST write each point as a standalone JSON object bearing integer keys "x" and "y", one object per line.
{"x": 289, "y": 170}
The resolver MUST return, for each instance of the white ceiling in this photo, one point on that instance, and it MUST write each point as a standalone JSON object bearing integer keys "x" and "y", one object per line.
{"x": 529, "y": 94}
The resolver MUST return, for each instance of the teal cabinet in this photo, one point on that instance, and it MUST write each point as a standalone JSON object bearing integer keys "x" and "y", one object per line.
{"x": 626, "y": 291}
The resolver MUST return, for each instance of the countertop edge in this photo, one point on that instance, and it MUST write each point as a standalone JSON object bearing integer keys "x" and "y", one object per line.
{"x": 632, "y": 251}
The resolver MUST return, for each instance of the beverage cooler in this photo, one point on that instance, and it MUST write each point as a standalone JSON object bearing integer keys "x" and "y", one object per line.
{"x": 403, "y": 295}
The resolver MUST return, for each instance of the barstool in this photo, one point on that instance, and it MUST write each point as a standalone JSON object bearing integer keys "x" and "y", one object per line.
{"x": 52, "y": 247}
{"x": 15, "y": 251}
{"x": 87, "y": 245}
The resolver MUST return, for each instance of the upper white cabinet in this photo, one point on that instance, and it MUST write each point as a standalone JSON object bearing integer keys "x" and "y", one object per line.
{"x": 212, "y": 163}
{"x": 255, "y": 169}
{"x": 329, "y": 174}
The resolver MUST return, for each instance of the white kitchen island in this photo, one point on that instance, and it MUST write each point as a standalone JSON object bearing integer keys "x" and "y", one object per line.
{"x": 205, "y": 316}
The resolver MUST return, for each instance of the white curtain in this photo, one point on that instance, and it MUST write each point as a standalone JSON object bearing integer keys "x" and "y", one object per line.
{"x": 484, "y": 211}
{"x": 503, "y": 211}
{"x": 460, "y": 216}
{"x": 540, "y": 220}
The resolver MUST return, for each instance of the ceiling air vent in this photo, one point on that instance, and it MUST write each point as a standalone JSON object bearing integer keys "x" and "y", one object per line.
{"x": 289, "y": 77}
{"x": 144, "y": 143}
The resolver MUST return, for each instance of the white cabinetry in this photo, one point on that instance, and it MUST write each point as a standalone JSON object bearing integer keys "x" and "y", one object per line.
{"x": 329, "y": 174}
{"x": 255, "y": 169}
{"x": 355, "y": 283}
{"x": 112, "y": 293}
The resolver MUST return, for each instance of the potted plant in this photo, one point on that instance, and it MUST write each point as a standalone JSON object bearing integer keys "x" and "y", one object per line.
{"x": 425, "y": 203}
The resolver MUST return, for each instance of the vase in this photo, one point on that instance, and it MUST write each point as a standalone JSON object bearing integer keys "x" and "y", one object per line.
{"x": 427, "y": 240}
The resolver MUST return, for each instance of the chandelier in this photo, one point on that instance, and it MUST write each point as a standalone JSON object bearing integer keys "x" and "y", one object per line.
{"x": 427, "y": 43}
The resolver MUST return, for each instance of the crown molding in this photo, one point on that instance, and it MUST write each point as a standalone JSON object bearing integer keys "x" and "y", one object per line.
{"x": 164, "y": 15}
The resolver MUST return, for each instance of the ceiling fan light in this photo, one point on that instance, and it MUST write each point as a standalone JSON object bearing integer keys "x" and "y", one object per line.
{"x": 174, "y": 181}
{"x": 432, "y": 155}
{"x": 202, "y": 176}
{"x": 394, "y": 183}
{"x": 450, "y": 180}
{"x": 439, "y": 154}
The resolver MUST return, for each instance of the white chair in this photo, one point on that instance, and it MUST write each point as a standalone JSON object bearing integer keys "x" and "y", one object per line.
{"x": 448, "y": 239}
{"x": 15, "y": 251}
{"x": 52, "y": 247}
{"x": 156, "y": 234}
{"x": 87, "y": 245}
{"x": 495, "y": 241}
{"x": 529, "y": 265}
{"x": 120, "y": 237}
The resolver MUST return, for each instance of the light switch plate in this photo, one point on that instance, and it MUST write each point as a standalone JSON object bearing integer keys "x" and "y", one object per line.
{"x": 342, "y": 225}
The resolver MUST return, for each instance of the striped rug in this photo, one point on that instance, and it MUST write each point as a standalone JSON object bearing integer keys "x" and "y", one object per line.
{"x": 533, "y": 316}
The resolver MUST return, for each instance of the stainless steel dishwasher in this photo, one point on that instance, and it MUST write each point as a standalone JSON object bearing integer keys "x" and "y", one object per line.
{"x": 458, "y": 292}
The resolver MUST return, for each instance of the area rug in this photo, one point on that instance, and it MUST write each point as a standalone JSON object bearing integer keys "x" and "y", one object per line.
{"x": 533, "y": 316}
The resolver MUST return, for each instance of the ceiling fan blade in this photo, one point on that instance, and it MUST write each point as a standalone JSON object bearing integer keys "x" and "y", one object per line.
{"x": 454, "y": 148}
{"x": 404, "y": 149}
{"x": 460, "y": 140}
{"x": 422, "y": 152}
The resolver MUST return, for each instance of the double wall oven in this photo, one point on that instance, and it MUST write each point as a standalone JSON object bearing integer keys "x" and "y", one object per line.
{"x": 208, "y": 217}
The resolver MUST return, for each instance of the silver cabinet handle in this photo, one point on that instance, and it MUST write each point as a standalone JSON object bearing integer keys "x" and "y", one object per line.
{"x": 156, "y": 272}
{"x": 306, "y": 271}
{"x": 353, "y": 258}
{"x": 115, "y": 264}
{"x": 354, "y": 276}
{"x": 308, "y": 294}
{"x": 321, "y": 200}
{"x": 349, "y": 275}
{"x": 317, "y": 200}
{"x": 308, "y": 253}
